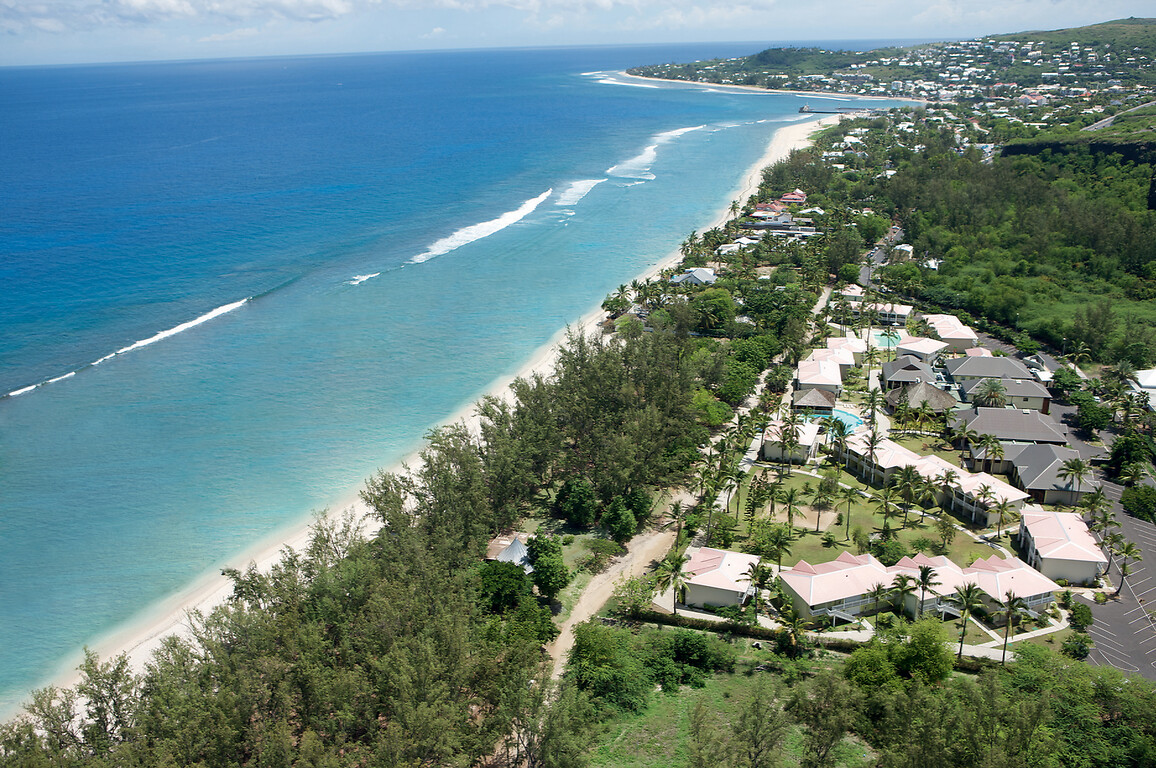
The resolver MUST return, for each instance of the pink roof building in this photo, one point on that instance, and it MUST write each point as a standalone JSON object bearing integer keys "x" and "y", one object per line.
{"x": 798, "y": 197}
{"x": 819, "y": 374}
{"x": 951, "y": 329}
{"x": 839, "y": 585}
{"x": 718, "y": 577}
{"x": 807, "y": 436}
{"x": 925, "y": 350}
{"x": 997, "y": 576}
{"x": 978, "y": 352}
{"x": 853, "y": 344}
{"x": 1059, "y": 545}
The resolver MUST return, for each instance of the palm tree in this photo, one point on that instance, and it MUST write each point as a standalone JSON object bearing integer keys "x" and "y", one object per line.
{"x": 873, "y": 440}
{"x": 965, "y": 437}
{"x": 901, "y": 587}
{"x": 670, "y": 575}
{"x": 1128, "y": 551}
{"x": 758, "y": 576}
{"x": 925, "y": 581}
{"x": 1112, "y": 542}
{"x": 991, "y": 393}
{"x": 1076, "y": 469}
{"x": 948, "y": 479}
{"x": 884, "y": 500}
{"x": 790, "y": 502}
{"x": 849, "y": 495}
{"x": 1012, "y": 607}
{"x": 778, "y": 543}
{"x": 992, "y": 449}
{"x": 1005, "y": 510}
{"x": 924, "y": 415}
{"x": 677, "y": 516}
{"x": 1133, "y": 473}
{"x": 969, "y": 598}
{"x": 984, "y": 497}
{"x": 878, "y": 594}
{"x": 872, "y": 403}
{"x": 906, "y": 482}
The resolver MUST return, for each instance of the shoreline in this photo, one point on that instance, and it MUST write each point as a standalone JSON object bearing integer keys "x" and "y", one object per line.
{"x": 779, "y": 91}
{"x": 142, "y": 634}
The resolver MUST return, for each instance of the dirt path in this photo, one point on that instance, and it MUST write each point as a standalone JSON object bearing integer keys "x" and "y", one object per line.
{"x": 642, "y": 552}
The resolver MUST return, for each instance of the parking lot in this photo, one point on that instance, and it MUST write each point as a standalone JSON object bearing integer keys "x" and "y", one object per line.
{"x": 1124, "y": 632}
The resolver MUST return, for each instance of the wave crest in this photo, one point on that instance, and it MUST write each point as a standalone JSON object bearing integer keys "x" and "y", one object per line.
{"x": 577, "y": 191}
{"x": 474, "y": 232}
{"x": 638, "y": 167}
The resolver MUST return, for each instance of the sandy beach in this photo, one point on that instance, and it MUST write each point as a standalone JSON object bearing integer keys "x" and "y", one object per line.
{"x": 143, "y": 634}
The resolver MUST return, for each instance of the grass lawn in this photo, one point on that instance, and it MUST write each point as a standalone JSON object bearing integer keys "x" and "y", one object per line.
{"x": 660, "y": 736}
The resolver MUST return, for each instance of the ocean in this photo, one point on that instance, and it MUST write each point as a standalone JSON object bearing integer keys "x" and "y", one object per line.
{"x": 232, "y": 290}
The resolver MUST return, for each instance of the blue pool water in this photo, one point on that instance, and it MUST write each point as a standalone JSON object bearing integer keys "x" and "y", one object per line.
{"x": 852, "y": 421}
{"x": 885, "y": 339}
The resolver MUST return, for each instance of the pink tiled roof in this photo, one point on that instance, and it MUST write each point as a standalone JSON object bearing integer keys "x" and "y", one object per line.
{"x": 950, "y": 327}
{"x": 847, "y": 342}
{"x": 997, "y": 576}
{"x": 846, "y": 576}
{"x": 921, "y": 345}
{"x": 719, "y": 568}
{"x": 838, "y": 356}
{"x": 819, "y": 372}
{"x": 1062, "y": 535}
{"x": 971, "y": 483}
{"x": 807, "y": 431}
{"x": 978, "y": 352}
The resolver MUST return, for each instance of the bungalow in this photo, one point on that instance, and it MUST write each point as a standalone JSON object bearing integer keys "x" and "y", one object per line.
{"x": 852, "y": 292}
{"x": 914, "y": 395}
{"x": 1011, "y": 427}
{"x": 964, "y": 370}
{"x": 1038, "y": 469}
{"x": 906, "y": 370}
{"x": 977, "y": 494}
{"x": 775, "y": 449}
{"x": 997, "y": 576}
{"x": 853, "y": 344}
{"x": 696, "y": 276}
{"x": 1059, "y": 545}
{"x": 1018, "y": 393}
{"x": 718, "y": 577}
{"x": 819, "y": 374}
{"x": 950, "y": 329}
{"x": 817, "y": 401}
{"x": 925, "y": 350}
{"x": 798, "y": 197}
{"x": 510, "y": 551}
{"x": 844, "y": 358}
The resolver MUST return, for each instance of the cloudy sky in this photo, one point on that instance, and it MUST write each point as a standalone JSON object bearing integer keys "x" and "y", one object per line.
{"x": 69, "y": 31}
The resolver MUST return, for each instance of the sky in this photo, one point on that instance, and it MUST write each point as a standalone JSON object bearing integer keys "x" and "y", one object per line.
{"x": 82, "y": 31}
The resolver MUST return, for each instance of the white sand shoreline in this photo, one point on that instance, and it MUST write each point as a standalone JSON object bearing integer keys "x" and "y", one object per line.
{"x": 143, "y": 634}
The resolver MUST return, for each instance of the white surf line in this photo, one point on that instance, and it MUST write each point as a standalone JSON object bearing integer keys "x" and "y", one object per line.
{"x": 475, "y": 232}
{"x": 142, "y": 343}
{"x": 359, "y": 279}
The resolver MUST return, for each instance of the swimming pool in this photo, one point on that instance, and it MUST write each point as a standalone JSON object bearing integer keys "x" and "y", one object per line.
{"x": 887, "y": 339}
{"x": 852, "y": 421}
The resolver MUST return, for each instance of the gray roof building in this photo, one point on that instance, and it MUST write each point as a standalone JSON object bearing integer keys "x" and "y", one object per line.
{"x": 1013, "y": 425}
{"x": 905, "y": 370}
{"x": 915, "y": 394}
{"x": 963, "y": 368}
{"x": 1037, "y": 470}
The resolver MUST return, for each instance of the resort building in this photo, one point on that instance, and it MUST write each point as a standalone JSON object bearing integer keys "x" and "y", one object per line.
{"x": 922, "y": 349}
{"x": 950, "y": 329}
{"x": 976, "y": 496}
{"x": 852, "y": 292}
{"x": 1012, "y": 427}
{"x": 915, "y": 395}
{"x": 1039, "y": 470}
{"x": 1059, "y": 545}
{"x": 853, "y": 344}
{"x": 696, "y": 276}
{"x": 966, "y": 370}
{"x": 798, "y": 451}
{"x": 718, "y": 577}
{"x": 906, "y": 370}
{"x": 1018, "y": 393}
{"x": 886, "y": 314}
{"x": 820, "y": 374}
{"x": 839, "y": 588}
{"x": 844, "y": 358}
{"x": 817, "y": 401}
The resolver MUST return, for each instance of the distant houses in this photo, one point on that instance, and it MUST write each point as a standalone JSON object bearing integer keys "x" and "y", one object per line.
{"x": 696, "y": 276}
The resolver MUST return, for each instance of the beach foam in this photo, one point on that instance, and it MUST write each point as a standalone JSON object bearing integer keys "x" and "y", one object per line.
{"x": 359, "y": 279}
{"x": 638, "y": 167}
{"x": 474, "y": 232}
{"x": 576, "y": 191}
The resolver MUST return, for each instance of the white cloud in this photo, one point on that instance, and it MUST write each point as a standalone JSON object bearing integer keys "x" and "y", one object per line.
{"x": 434, "y": 33}
{"x": 236, "y": 34}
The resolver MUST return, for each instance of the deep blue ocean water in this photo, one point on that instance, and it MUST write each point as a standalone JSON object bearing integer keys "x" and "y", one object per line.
{"x": 240, "y": 287}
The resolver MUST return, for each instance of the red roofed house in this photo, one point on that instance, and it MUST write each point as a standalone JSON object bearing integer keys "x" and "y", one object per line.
{"x": 718, "y": 577}
{"x": 798, "y": 196}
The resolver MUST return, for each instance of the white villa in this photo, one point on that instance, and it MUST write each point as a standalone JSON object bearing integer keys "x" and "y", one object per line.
{"x": 950, "y": 329}
{"x": 718, "y": 577}
{"x": 773, "y": 448}
{"x": 1060, "y": 546}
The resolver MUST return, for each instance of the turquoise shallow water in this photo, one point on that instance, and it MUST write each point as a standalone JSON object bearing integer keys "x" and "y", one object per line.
{"x": 369, "y": 242}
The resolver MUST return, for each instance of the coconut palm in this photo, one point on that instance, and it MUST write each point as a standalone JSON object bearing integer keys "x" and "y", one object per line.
{"x": 884, "y": 500}
{"x": 991, "y": 393}
{"x": 758, "y": 575}
{"x": 1012, "y": 607}
{"x": 947, "y": 480}
{"x": 992, "y": 450}
{"x": 778, "y": 543}
{"x": 848, "y": 495}
{"x": 924, "y": 415}
{"x": 965, "y": 437}
{"x": 790, "y": 499}
{"x": 1075, "y": 469}
{"x": 1133, "y": 473}
{"x": 671, "y": 575}
{"x": 1004, "y": 509}
{"x": 877, "y": 594}
{"x": 925, "y": 581}
{"x": 969, "y": 598}
{"x": 1128, "y": 551}
{"x": 906, "y": 481}
{"x": 901, "y": 587}
{"x": 872, "y": 403}
{"x": 873, "y": 441}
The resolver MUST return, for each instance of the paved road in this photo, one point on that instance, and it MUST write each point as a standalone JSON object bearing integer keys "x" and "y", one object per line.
{"x": 1124, "y": 632}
